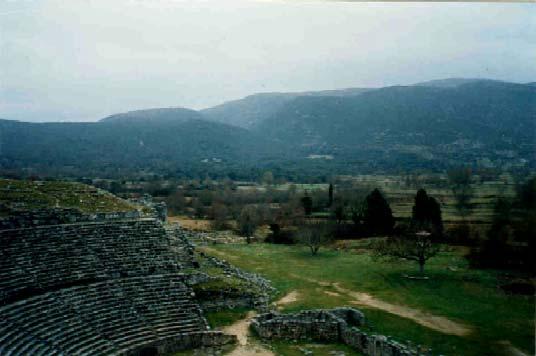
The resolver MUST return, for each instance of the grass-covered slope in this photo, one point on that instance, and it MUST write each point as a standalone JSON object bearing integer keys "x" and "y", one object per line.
{"x": 27, "y": 195}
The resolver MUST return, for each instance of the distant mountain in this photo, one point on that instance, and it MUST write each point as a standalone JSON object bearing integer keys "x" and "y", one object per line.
{"x": 432, "y": 126}
{"x": 113, "y": 146}
{"x": 454, "y": 82}
{"x": 253, "y": 109}
{"x": 163, "y": 115}
{"x": 415, "y": 126}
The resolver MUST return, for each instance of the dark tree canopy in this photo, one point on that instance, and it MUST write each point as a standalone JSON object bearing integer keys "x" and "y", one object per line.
{"x": 307, "y": 203}
{"x": 460, "y": 182}
{"x": 510, "y": 242}
{"x": 378, "y": 216}
{"x": 426, "y": 213}
{"x": 338, "y": 213}
{"x": 330, "y": 195}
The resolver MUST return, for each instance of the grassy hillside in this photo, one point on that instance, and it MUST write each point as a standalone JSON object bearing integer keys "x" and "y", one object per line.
{"x": 19, "y": 194}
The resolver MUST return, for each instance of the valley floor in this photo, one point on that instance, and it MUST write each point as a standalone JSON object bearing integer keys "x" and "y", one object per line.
{"x": 457, "y": 311}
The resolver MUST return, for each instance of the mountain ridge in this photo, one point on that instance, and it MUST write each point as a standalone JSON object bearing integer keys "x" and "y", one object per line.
{"x": 476, "y": 122}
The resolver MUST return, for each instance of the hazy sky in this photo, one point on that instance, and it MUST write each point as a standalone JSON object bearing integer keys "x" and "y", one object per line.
{"x": 72, "y": 60}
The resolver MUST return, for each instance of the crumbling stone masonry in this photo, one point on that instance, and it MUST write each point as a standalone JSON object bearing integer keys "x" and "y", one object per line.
{"x": 156, "y": 210}
{"x": 334, "y": 325}
{"x": 222, "y": 298}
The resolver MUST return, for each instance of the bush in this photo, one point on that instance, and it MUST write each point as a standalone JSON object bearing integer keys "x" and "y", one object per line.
{"x": 279, "y": 236}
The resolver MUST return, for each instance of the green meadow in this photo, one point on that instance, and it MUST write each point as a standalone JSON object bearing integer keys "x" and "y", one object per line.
{"x": 457, "y": 311}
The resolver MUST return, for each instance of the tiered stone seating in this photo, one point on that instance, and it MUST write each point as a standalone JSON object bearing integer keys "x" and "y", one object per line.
{"x": 36, "y": 260}
{"x": 111, "y": 287}
{"x": 109, "y": 317}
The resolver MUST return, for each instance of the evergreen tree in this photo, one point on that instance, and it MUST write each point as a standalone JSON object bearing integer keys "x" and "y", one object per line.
{"x": 378, "y": 216}
{"x": 330, "y": 195}
{"x": 307, "y": 203}
{"x": 426, "y": 213}
{"x": 248, "y": 221}
{"x": 420, "y": 208}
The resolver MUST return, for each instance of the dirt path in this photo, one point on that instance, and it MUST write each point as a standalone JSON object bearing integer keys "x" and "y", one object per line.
{"x": 291, "y": 297}
{"x": 511, "y": 349}
{"x": 245, "y": 347}
{"x": 241, "y": 329}
{"x": 428, "y": 320}
{"x": 213, "y": 251}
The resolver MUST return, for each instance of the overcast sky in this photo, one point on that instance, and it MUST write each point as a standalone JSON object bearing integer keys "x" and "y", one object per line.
{"x": 72, "y": 60}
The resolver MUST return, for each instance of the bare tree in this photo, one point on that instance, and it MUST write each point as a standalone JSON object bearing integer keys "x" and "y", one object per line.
{"x": 460, "y": 184}
{"x": 218, "y": 214}
{"x": 248, "y": 221}
{"x": 338, "y": 210}
{"x": 267, "y": 178}
{"x": 416, "y": 247}
{"x": 314, "y": 236}
{"x": 176, "y": 202}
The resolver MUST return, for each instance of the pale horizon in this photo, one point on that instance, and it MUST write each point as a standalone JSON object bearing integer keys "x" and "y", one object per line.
{"x": 83, "y": 61}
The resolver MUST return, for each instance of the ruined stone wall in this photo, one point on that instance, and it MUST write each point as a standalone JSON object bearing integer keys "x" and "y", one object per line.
{"x": 153, "y": 209}
{"x": 203, "y": 238}
{"x": 334, "y": 325}
{"x": 222, "y": 299}
{"x": 259, "y": 301}
{"x": 253, "y": 278}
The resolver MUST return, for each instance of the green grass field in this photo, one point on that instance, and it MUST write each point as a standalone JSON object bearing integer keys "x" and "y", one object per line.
{"x": 467, "y": 297}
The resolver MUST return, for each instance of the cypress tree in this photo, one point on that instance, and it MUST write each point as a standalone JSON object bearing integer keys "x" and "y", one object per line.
{"x": 426, "y": 213}
{"x": 378, "y": 216}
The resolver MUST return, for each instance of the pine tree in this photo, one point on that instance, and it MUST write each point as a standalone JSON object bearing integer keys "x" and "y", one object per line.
{"x": 426, "y": 213}
{"x": 378, "y": 216}
{"x": 307, "y": 203}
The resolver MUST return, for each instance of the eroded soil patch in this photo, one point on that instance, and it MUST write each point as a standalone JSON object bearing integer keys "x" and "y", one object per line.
{"x": 241, "y": 329}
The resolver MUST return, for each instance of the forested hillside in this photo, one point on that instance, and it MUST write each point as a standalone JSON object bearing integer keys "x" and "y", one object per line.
{"x": 483, "y": 122}
{"x": 430, "y": 126}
